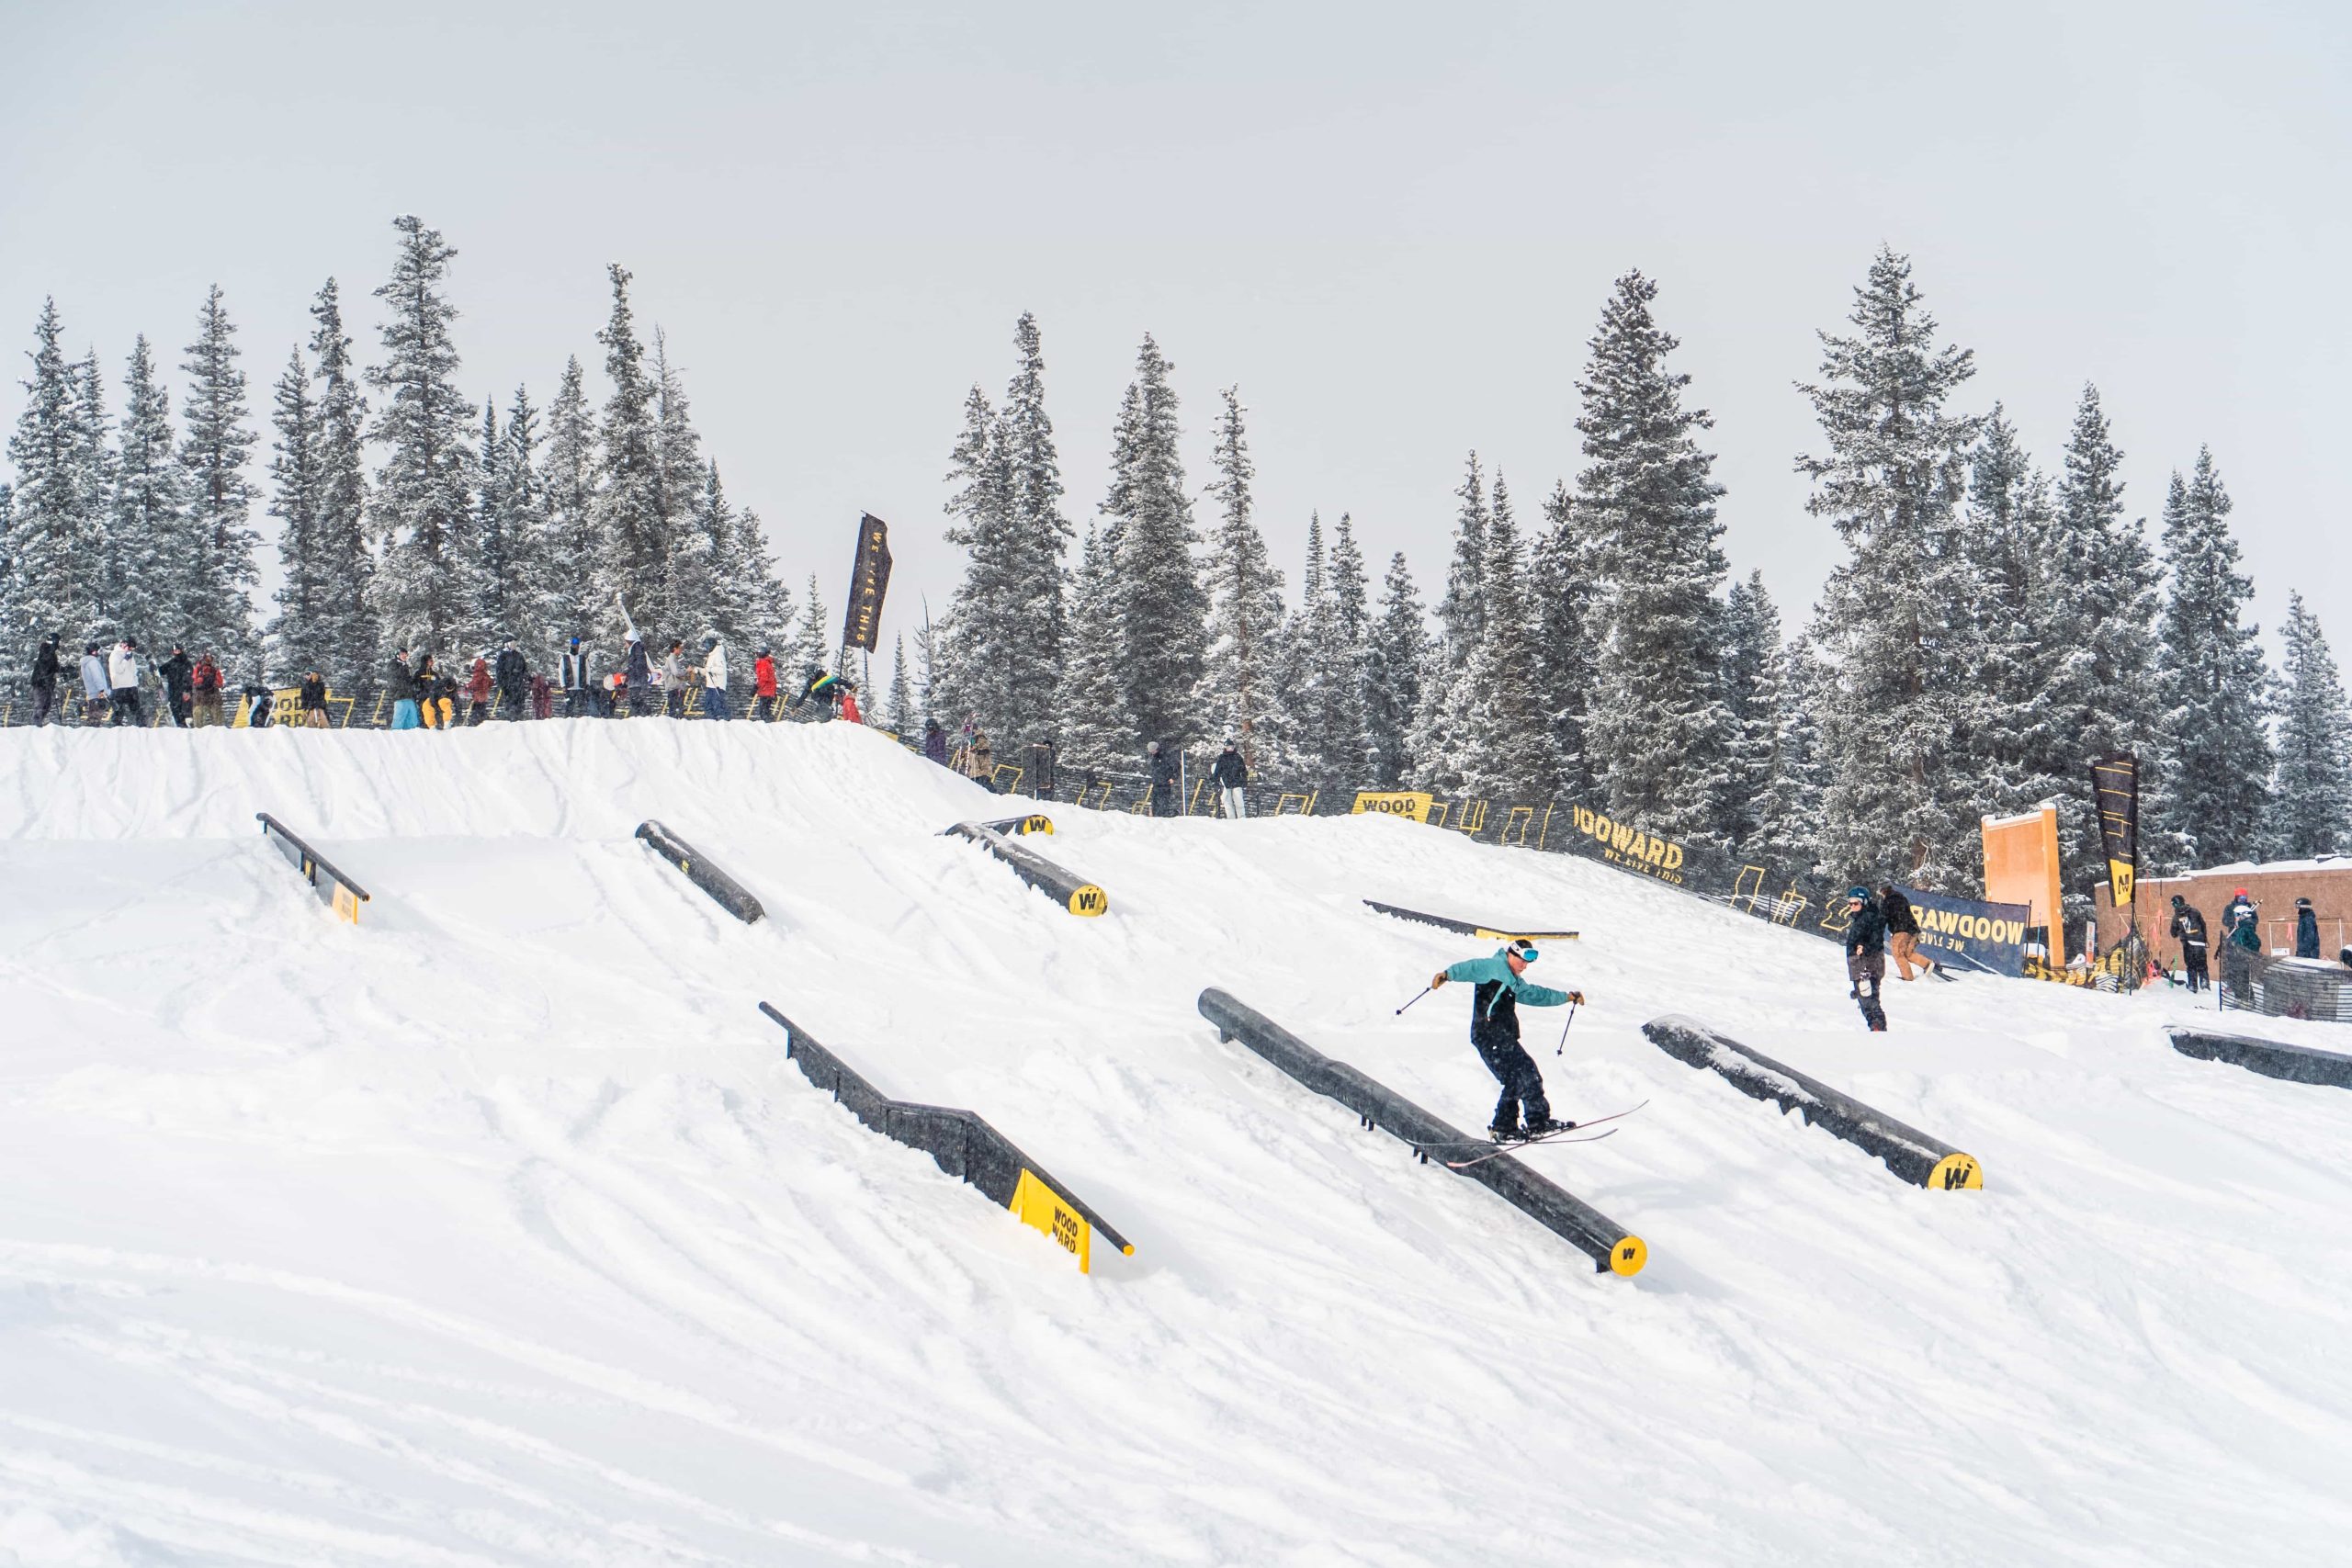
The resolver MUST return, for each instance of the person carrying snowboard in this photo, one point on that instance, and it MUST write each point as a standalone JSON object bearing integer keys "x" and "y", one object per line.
{"x": 1902, "y": 933}
{"x": 1501, "y": 986}
{"x": 2188, "y": 930}
{"x": 1866, "y": 953}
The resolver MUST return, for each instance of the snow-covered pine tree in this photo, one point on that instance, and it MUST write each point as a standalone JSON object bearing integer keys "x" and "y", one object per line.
{"x": 219, "y": 574}
{"x": 812, "y": 644}
{"x": 1507, "y": 755}
{"x": 57, "y": 552}
{"x": 1160, "y": 616}
{"x": 2311, "y": 796}
{"x": 1096, "y": 731}
{"x": 633, "y": 556}
{"x": 1659, "y": 731}
{"x": 510, "y": 502}
{"x": 294, "y": 633}
{"x": 569, "y": 602}
{"x": 753, "y": 592}
{"x": 679, "y": 482}
{"x": 2099, "y": 692}
{"x": 1350, "y": 592}
{"x": 2216, "y": 774}
{"x": 423, "y": 501}
{"x": 347, "y": 642}
{"x": 93, "y": 477}
{"x": 1788, "y": 813}
{"x": 1752, "y": 668}
{"x": 981, "y": 620}
{"x": 1561, "y": 593}
{"x": 1037, "y": 630}
{"x": 2008, "y": 538}
{"x": 1437, "y": 735}
{"x": 1395, "y": 652}
{"x": 144, "y": 527}
{"x": 1902, "y": 723}
{"x": 1238, "y": 684}
{"x": 898, "y": 712}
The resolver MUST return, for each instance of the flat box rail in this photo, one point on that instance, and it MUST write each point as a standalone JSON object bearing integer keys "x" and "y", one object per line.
{"x": 961, "y": 1144}
{"x": 1072, "y": 893}
{"x": 2272, "y": 1058}
{"x": 730, "y": 893}
{"x": 1610, "y": 1246}
{"x": 1908, "y": 1152}
{"x": 336, "y": 890}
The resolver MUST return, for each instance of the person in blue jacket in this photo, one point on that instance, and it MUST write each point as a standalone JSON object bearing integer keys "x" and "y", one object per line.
{"x": 1501, "y": 985}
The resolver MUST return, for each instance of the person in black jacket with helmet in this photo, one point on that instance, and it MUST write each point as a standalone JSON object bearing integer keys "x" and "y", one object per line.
{"x": 2188, "y": 930}
{"x": 1866, "y": 953}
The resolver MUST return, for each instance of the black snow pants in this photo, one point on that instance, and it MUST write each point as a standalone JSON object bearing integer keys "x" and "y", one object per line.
{"x": 1515, "y": 1070}
{"x": 2192, "y": 960}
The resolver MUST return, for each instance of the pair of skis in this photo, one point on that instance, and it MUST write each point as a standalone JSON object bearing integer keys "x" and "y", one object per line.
{"x": 1490, "y": 1147}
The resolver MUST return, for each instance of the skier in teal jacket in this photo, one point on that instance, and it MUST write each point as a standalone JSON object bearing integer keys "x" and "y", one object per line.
{"x": 1501, "y": 985}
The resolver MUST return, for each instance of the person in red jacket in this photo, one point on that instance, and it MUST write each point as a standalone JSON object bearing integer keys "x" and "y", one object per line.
{"x": 849, "y": 705}
{"x": 477, "y": 689}
{"x": 763, "y": 686}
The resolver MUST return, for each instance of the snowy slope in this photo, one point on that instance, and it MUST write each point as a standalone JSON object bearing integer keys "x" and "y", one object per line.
{"x": 497, "y": 1229}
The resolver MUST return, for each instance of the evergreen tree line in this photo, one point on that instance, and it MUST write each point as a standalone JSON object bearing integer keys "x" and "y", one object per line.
{"x": 1991, "y": 628}
{"x": 408, "y": 515}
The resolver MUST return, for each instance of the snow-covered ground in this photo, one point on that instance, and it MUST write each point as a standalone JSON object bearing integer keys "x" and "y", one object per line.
{"x": 497, "y": 1229}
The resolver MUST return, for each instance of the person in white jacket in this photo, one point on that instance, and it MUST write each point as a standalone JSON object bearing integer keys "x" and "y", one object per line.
{"x": 714, "y": 678}
{"x": 122, "y": 675}
{"x": 93, "y": 683}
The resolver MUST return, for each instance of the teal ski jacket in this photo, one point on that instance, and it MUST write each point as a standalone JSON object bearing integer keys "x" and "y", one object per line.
{"x": 1497, "y": 971}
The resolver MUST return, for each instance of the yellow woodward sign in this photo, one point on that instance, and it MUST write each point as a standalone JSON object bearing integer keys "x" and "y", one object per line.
{"x": 1623, "y": 844}
{"x": 1038, "y": 1205}
{"x": 1413, "y": 805}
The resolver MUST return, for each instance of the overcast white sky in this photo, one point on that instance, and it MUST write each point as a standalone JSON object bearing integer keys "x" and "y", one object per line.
{"x": 1392, "y": 226}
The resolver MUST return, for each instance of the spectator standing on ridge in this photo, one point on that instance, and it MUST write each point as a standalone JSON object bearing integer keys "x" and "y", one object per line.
{"x": 477, "y": 688}
{"x": 261, "y": 706}
{"x": 763, "y": 687}
{"x": 2306, "y": 930}
{"x": 122, "y": 681}
{"x": 851, "y": 713}
{"x": 673, "y": 678}
{"x": 2241, "y": 940}
{"x": 1230, "y": 774}
{"x": 714, "y": 678}
{"x": 203, "y": 691}
{"x": 573, "y": 671}
{"x": 1501, "y": 986}
{"x": 94, "y": 684}
{"x": 45, "y": 672}
{"x": 1162, "y": 767}
{"x": 311, "y": 697}
{"x": 177, "y": 675}
{"x": 400, "y": 684}
{"x": 935, "y": 741}
{"x": 637, "y": 670}
{"x": 825, "y": 688}
{"x": 2188, "y": 930}
{"x": 1866, "y": 954}
{"x": 980, "y": 761}
{"x": 514, "y": 676}
{"x": 430, "y": 702}
{"x": 542, "y": 697}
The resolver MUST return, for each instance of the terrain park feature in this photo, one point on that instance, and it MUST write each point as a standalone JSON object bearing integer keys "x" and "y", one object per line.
{"x": 1910, "y": 1154}
{"x": 730, "y": 893}
{"x": 1611, "y": 1247}
{"x": 1472, "y": 927}
{"x": 964, "y": 1146}
{"x": 1073, "y": 893}
{"x": 336, "y": 890}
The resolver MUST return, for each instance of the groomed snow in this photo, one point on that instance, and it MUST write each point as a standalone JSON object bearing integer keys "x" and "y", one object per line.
{"x": 496, "y": 1229}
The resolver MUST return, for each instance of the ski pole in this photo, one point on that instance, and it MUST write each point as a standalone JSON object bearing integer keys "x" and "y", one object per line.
{"x": 1564, "y": 1031}
{"x": 1425, "y": 991}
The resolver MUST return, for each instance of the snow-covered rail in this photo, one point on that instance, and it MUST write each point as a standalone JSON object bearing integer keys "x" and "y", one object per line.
{"x": 1035, "y": 822}
{"x": 962, "y": 1144}
{"x": 2272, "y": 1058}
{"x": 1598, "y": 1238}
{"x": 730, "y": 893}
{"x": 1072, "y": 893}
{"x": 336, "y": 891}
{"x": 1909, "y": 1153}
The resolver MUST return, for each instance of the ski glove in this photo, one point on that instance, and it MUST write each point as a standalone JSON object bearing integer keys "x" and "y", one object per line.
{"x": 1577, "y": 997}
{"x": 1439, "y": 981}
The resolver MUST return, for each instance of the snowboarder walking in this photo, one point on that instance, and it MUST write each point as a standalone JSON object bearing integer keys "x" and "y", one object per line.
{"x": 1866, "y": 954}
{"x": 1903, "y": 932}
{"x": 1230, "y": 774}
{"x": 2188, "y": 930}
{"x": 1501, "y": 985}
{"x": 45, "y": 670}
{"x": 2306, "y": 930}
{"x": 2241, "y": 940}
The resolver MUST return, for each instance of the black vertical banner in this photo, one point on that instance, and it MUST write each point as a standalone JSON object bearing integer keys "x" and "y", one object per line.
{"x": 868, "y": 581}
{"x": 2115, "y": 790}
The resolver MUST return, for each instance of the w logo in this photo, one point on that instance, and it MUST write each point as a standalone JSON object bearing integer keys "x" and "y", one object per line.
{"x": 1089, "y": 900}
